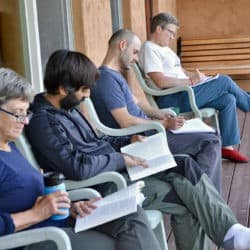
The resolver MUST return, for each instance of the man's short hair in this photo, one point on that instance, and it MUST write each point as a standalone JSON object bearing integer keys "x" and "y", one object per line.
{"x": 162, "y": 19}
{"x": 70, "y": 70}
{"x": 121, "y": 34}
{"x": 14, "y": 86}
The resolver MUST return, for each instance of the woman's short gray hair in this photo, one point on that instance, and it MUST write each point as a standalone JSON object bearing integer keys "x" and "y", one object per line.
{"x": 14, "y": 86}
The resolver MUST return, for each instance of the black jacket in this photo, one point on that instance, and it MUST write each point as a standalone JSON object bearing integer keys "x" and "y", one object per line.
{"x": 64, "y": 141}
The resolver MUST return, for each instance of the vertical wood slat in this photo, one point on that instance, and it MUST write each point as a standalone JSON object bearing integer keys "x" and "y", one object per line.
{"x": 134, "y": 17}
{"x": 92, "y": 27}
{"x": 148, "y": 15}
{"x": 164, "y": 6}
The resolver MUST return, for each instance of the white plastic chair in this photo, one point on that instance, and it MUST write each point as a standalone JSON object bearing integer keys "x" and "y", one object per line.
{"x": 154, "y": 216}
{"x": 31, "y": 236}
{"x": 150, "y": 93}
{"x": 24, "y": 147}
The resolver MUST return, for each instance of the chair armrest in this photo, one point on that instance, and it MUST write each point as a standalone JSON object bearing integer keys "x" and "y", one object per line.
{"x": 34, "y": 236}
{"x": 169, "y": 111}
{"x": 121, "y": 131}
{"x": 188, "y": 89}
{"x": 83, "y": 193}
{"x": 162, "y": 92}
{"x": 110, "y": 176}
{"x": 133, "y": 129}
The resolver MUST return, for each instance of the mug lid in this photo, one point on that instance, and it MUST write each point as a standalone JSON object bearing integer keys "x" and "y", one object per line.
{"x": 53, "y": 178}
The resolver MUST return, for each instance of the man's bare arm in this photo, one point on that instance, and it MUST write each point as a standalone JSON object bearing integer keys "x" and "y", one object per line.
{"x": 162, "y": 81}
{"x": 124, "y": 119}
{"x": 152, "y": 112}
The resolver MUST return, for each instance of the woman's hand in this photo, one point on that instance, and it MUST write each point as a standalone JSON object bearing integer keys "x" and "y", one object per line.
{"x": 83, "y": 208}
{"x": 48, "y": 205}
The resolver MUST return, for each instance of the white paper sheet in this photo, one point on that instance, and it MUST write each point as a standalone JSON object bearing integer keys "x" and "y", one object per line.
{"x": 154, "y": 149}
{"x": 195, "y": 125}
{"x": 111, "y": 207}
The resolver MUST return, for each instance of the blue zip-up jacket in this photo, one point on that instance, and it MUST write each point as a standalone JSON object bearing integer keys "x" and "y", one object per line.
{"x": 64, "y": 141}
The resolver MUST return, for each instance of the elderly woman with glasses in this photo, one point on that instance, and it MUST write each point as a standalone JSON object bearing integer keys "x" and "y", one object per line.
{"x": 23, "y": 204}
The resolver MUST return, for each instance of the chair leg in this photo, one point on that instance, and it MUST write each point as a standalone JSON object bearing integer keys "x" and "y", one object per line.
{"x": 212, "y": 115}
{"x": 216, "y": 121}
{"x": 155, "y": 220}
{"x": 161, "y": 236}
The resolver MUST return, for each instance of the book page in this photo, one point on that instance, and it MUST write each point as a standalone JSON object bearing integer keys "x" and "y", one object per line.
{"x": 195, "y": 125}
{"x": 111, "y": 207}
{"x": 154, "y": 149}
{"x": 207, "y": 79}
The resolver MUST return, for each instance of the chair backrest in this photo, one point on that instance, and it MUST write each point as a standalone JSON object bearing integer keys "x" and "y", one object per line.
{"x": 140, "y": 75}
{"x": 25, "y": 148}
{"x": 151, "y": 93}
{"x": 109, "y": 176}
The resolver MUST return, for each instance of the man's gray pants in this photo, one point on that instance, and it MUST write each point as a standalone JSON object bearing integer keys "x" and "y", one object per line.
{"x": 197, "y": 209}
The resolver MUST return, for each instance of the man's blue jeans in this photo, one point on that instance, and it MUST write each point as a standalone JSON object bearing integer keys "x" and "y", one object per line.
{"x": 224, "y": 95}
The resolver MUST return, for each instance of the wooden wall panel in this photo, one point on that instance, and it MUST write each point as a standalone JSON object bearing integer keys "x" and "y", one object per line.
{"x": 211, "y": 19}
{"x": 92, "y": 27}
{"x": 163, "y": 6}
{"x": 10, "y": 36}
{"x": 134, "y": 17}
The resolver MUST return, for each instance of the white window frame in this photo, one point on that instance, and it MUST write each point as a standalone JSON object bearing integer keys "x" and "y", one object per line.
{"x": 31, "y": 41}
{"x": 31, "y": 44}
{"x": 117, "y": 17}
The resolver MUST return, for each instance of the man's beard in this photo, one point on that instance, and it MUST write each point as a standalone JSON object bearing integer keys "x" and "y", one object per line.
{"x": 70, "y": 101}
{"x": 124, "y": 62}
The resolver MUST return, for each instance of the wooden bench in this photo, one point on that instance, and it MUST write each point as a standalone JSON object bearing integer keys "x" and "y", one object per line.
{"x": 230, "y": 56}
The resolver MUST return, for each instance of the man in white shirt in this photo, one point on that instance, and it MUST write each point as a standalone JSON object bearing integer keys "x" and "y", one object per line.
{"x": 163, "y": 69}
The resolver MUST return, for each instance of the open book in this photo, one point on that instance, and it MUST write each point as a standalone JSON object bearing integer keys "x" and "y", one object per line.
{"x": 113, "y": 206}
{"x": 207, "y": 79}
{"x": 195, "y": 125}
{"x": 154, "y": 149}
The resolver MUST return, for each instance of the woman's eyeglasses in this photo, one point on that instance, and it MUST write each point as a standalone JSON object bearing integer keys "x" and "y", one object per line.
{"x": 19, "y": 118}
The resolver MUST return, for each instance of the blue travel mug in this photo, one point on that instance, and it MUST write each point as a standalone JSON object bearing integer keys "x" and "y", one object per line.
{"x": 54, "y": 182}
